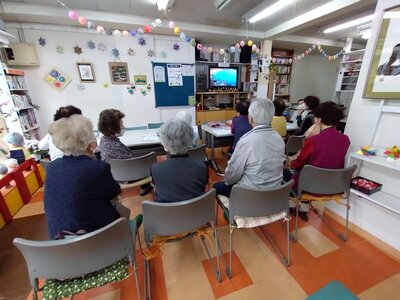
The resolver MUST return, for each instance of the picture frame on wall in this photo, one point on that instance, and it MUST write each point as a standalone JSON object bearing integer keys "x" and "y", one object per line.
{"x": 140, "y": 79}
{"x": 383, "y": 81}
{"x": 86, "y": 72}
{"x": 119, "y": 72}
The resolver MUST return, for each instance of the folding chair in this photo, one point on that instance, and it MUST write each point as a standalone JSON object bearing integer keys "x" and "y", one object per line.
{"x": 263, "y": 206}
{"x": 294, "y": 144}
{"x": 318, "y": 184}
{"x": 198, "y": 153}
{"x": 175, "y": 218}
{"x": 154, "y": 125}
{"x": 72, "y": 258}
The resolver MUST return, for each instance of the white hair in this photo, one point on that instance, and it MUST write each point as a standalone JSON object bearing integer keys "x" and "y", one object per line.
{"x": 262, "y": 111}
{"x": 176, "y": 136}
{"x": 72, "y": 135}
{"x": 184, "y": 116}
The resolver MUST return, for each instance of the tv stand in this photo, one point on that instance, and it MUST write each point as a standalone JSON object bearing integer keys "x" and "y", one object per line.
{"x": 218, "y": 106}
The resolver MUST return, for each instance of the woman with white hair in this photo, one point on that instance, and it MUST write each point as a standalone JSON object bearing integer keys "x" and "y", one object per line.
{"x": 185, "y": 116}
{"x": 78, "y": 188}
{"x": 257, "y": 161}
{"x": 180, "y": 177}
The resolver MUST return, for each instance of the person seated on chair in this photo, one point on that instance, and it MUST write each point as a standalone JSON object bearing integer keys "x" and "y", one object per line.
{"x": 240, "y": 123}
{"x": 278, "y": 121}
{"x": 306, "y": 120}
{"x": 78, "y": 188}
{"x": 111, "y": 126}
{"x": 16, "y": 143}
{"x": 257, "y": 161}
{"x": 185, "y": 116}
{"x": 324, "y": 150}
{"x": 299, "y": 110}
{"x": 181, "y": 177}
{"x": 46, "y": 143}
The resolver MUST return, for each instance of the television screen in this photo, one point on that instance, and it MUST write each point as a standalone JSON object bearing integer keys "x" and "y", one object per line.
{"x": 223, "y": 77}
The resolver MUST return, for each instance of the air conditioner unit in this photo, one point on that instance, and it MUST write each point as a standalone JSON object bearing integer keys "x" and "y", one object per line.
{"x": 21, "y": 55}
{"x": 220, "y": 4}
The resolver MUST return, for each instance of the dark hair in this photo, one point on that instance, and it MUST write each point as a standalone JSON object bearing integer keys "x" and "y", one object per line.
{"x": 329, "y": 112}
{"x": 301, "y": 99}
{"x": 110, "y": 121}
{"x": 280, "y": 107}
{"x": 312, "y": 102}
{"x": 66, "y": 111}
{"x": 242, "y": 107}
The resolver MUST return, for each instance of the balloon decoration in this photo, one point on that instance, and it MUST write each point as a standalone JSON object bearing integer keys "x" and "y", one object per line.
{"x": 317, "y": 47}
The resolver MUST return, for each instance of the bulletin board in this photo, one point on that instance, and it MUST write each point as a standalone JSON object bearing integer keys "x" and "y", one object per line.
{"x": 173, "y": 84}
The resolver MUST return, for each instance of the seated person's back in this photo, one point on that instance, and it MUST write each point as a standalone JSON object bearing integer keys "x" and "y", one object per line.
{"x": 240, "y": 123}
{"x": 279, "y": 122}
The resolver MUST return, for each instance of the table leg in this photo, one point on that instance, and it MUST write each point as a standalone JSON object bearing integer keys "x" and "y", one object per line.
{"x": 214, "y": 163}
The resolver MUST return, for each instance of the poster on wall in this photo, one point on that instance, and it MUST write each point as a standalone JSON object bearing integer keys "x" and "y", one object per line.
{"x": 174, "y": 74}
{"x": 140, "y": 79}
{"x": 159, "y": 74}
{"x": 119, "y": 72}
{"x": 384, "y": 74}
{"x": 86, "y": 73}
{"x": 57, "y": 79}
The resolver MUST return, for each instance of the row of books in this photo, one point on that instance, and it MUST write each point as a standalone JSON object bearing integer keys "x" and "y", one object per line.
{"x": 15, "y": 82}
{"x": 27, "y": 119}
{"x": 21, "y": 101}
{"x": 282, "y": 79}
{"x": 283, "y": 69}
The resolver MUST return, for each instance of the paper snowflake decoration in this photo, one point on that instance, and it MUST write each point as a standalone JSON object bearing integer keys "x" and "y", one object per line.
{"x": 60, "y": 49}
{"x": 91, "y": 45}
{"x": 176, "y": 46}
{"x": 101, "y": 46}
{"x": 141, "y": 41}
{"x": 80, "y": 87}
{"x": 131, "y": 52}
{"x": 115, "y": 52}
{"x": 42, "y": 42}
{"x": 150, "y": 53}
{"x": 78, "y": 50}
{"x": 164, "y": 54}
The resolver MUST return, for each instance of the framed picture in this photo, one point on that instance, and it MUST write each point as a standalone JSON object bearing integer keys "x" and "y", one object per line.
{"x": 119, "y": 72}
{"x": 86, "y": 72}
{"x": 384, "y": 74}
{"x": 57, "y": 79}
{"x": 140, "y": 79}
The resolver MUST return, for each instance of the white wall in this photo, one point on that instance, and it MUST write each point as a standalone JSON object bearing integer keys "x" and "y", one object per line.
{"x": 360, "y": 125}
{"x": 139, "y": 109}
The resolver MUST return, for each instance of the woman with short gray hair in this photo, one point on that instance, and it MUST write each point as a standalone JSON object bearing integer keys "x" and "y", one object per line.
{"x": 185, "y": 116}
{"x": 78, "y": 188}
{"x": 180, "y": 177}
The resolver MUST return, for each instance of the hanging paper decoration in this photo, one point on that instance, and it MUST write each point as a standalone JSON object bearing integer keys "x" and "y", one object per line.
{"x": 131, "y": 52}
{"x": 182, "y": 35}
{"x": 91, "y": 45}
{"x": 73, "y": 15}
{"x": 80, "y": 87}
{"x": 82, "y": 20}
{"x": 171, "y": 24}
{"x": 116, "y": 32}
{"x": 147, "y": 29}
{"x": 90, "y": 25}
{"x": 42, "y": 42}
{"x": 140, "y": 31}
{"x": 249, "y": 43}
{"x": 176, "y": 46}
{"x": 125, "y": 33}
{"x": 133, "y": 32}
{"x": 150, "y": 53}
{"x": 222, "y": 51}
{"x": 78, "y": 50}
{"x": 105, "y": 84}
{"x": 60, "y": 49}
{"x": 100, "y": 29}
{"x": 164, "y": 54}
{"x": 193, "y": 42}
{"x": 149, "y": 88}
{"x": 177, "y": 30}
{"x": 143, "y": 92}
{"x": 141, "y": 41}
{"x": 158, "y": 22}
{"x": 101, "y": 46}
{"x": 131, "y": 89}
{"x": 115, "y": 52}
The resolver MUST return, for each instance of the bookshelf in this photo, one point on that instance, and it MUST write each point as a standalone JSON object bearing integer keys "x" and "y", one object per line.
{"x": 16, "y": 105}
{"x": 283, "y": 60}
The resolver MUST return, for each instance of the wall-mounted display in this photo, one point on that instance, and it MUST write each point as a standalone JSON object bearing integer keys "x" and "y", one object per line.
{"x": 57, "y": 79}
{"x": 384, "y": 73}
{"x": 140, "y": 79}
{"x": 119, "y": 72}
{"x": 86, "y": 72}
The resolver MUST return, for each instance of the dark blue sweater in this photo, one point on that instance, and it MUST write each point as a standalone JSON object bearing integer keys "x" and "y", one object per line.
{"x": 77, "y": 194}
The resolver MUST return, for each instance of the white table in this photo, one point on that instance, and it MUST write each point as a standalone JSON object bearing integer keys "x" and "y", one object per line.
{"x": 140, "y": 138}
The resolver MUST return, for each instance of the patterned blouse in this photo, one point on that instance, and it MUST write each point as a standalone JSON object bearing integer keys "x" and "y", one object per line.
{"x": 112, "y": 147}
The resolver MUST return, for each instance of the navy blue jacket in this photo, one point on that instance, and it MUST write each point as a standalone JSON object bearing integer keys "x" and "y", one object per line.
{"x": 77, "y": 194}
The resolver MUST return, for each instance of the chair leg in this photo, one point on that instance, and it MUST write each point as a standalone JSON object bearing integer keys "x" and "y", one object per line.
{"x": 137, "y": 280}
{"x": 217, "y": 273}
{"x": 147, "y": 282}
{"x": 285, "y": 261}
{"x": 230, "y": 251}
{"x": 296, "y": 223}
{"x": 288, "y": 237}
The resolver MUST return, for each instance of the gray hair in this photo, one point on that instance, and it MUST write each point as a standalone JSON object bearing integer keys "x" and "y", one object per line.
{"x": 262, "y": 111}
{"x": 72, "y": 135}
{"x": 184, "y": 116}
{"x": 176, "y": 136}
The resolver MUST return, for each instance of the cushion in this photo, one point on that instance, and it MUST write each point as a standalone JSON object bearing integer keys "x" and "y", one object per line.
{"x": 59, "y": 289}
{"x": 250, "y": 222}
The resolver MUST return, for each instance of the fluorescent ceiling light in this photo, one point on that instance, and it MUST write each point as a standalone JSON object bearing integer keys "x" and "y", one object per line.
{"x": 270, "y": 10}
{"x": 366, "y": 35}
{"x": 220, "y": 4}
{"x": 162, "y": 4}
{"x": 350, "y": 24}
{"x": 391, "y": 14}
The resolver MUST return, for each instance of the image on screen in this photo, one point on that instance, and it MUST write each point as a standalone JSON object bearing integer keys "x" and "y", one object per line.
{"x": 223, "y": 77}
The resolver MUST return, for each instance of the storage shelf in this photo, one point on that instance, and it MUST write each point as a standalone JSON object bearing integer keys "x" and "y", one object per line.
{"x": 378, "y": 160}
{"x": 279, "y": 74}
{"x": 347, "y": 91}
{"x": 382, "y": 199}
{"x": 351, "y": 61}
{"x": 25, "y": 108}
{"x": 30, "y": 129}
{"x": 18, "y": 90}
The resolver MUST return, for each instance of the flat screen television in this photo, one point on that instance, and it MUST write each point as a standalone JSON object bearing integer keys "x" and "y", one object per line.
{"x": 223, "y": 77}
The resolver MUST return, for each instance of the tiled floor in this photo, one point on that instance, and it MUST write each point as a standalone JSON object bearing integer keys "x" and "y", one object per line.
{"x": 184, "y": 273}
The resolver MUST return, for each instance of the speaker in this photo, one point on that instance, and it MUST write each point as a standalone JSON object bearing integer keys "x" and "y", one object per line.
{"x": 245, "y": 54}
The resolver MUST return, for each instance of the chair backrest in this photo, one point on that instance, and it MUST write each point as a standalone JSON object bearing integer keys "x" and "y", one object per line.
{"x": 198, "y": 153}
{"x": 294, "y": 144}
{"x": 73, "y": 257}
{"x": 325, "y": 181}
{"x": 18, "y": 154}
{"x": 178, "y": 217}
{"x": 136, "y": 128}
{"x": 45, "y": 163}
{"x": 132, "y": 168}
{"x": 246, "y": 202}
{"x": 154, "y": 125}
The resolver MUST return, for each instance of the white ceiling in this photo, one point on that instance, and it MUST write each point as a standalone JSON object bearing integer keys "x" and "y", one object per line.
{"x": 197, "y": 17}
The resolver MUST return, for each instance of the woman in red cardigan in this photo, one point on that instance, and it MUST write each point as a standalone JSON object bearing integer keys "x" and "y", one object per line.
{"x": 325, "y": 150}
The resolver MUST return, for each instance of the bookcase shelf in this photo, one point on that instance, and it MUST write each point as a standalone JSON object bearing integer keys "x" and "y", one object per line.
{"x": 283, "y": 60}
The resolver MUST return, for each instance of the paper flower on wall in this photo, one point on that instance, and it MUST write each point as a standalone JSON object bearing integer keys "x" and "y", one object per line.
{"x": 78, "y": 50}
{"x": 150, "y": 53}
{"x": 131, "y": 89}
{"x": 101, "y": 46}
{"x": 91, "y": 45}
{"x": 42, "y": 42}
{"x": 115, "y": 52}
{"x": 60, "y": 49}
{"x": 176, "y": 46}
{"x": 131, "y": 52}
{"x": 164, "y": 54}
{"x": 141, "y": 41}
{"x": 80, "y": 87}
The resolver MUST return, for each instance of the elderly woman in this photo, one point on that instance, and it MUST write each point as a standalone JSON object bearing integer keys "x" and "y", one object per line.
{"x": 111, "y": 126}
{"x": 78, "y": 188}
{"x": 257, "y": 161}
{"x": 180, "y": 177}
{"x": 185, "y": 116}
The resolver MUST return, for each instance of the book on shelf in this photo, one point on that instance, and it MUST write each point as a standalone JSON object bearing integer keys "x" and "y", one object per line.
{"x": 15, "y": 82}
{"x": 21, "y": 101}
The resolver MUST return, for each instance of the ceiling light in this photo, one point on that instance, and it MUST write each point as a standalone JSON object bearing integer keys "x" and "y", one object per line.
{"x": 270, "y": 10}
{"x": 162, "y": 4}
{"x": 220, "y": 4}
{"x": 366, "y": 35}
{"x": 349, "y": 24}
